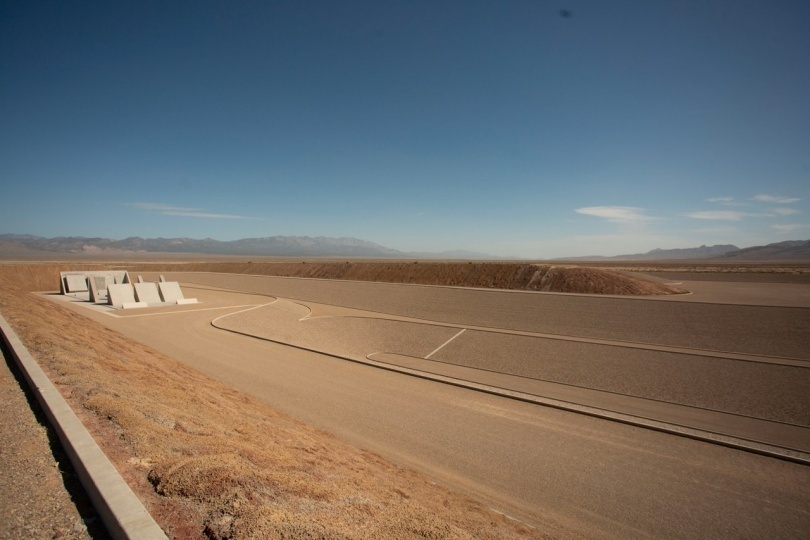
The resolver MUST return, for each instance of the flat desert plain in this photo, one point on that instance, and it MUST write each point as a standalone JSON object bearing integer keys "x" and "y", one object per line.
{"x": 667, "y": 415}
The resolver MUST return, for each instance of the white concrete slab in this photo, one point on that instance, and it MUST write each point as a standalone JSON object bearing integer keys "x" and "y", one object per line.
{"x": 132, "y": 305}
{"x": 94, "y": 295}
{"x": 120, "y": 294}
{"x": 147, "y": 292}
{"x": 103, "y": 278}
{"x": 183, "y": 301}
{"x": 170, "y": 291}
{"x": 76, "y": 283}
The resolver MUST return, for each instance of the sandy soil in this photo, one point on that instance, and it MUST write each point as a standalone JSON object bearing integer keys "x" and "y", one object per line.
{"x": 209, "y": 461}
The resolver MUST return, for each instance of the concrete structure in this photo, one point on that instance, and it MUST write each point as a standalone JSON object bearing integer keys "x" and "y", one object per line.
{"x": 76, "y": 283}
{"x": 70, "y": 281}
{"x": 93, "y": 288}
{"x": 97, "y": 288}
{"x": 114, "y": 288}
{"x": 120, "y": 294}
{"x": 147, "y": 292}
{"x": 170, "y": 291}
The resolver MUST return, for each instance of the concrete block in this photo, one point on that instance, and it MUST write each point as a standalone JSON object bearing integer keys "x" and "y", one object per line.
{"x": 170, "y": 291}
{"x": 100, "y": 281}
{"x": 94, "y": 296}
{"x": 132, "y": 305}
{"x": 147, "y": 292}
{"x": 76, "y": 283}
{"x": 140, "y": 279}
{"x": 183, "y": 301}
{"x": 70, "y": 281}
{"x": 119, "y": 294}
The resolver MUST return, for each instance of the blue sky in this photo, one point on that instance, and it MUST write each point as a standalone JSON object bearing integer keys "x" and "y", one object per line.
{"x": 502, "y": 127}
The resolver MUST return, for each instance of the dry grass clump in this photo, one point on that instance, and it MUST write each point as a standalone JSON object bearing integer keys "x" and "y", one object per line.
{"x": 531, "y": 277}
{"x": 210, "y": 462}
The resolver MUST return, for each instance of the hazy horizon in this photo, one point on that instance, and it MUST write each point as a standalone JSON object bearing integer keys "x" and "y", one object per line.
{"x": 512, "y": 128}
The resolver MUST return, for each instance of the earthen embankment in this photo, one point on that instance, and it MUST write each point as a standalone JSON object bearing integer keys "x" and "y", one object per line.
{"x": 514, "y": 276}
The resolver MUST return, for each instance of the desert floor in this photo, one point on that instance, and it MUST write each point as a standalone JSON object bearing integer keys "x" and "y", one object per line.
{"x": 730, "y": 359}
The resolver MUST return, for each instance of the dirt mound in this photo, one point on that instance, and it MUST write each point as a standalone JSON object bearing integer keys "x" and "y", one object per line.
{"x": 211, "y": 462}
{"x": 530, "y": 277}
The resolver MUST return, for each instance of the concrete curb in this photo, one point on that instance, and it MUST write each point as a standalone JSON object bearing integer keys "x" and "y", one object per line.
{"x": 122, "y": 512}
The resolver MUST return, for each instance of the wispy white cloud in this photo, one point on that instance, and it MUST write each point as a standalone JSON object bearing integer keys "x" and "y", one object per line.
{"x": 782, "y": 211}
{"x": 726, "y": 201}
{"x": 158, "y": 207}
{"x": 778, "y": 199}
{"x": 792, "y": 227}
{"x": 206, "y": 215}
{"x": 169, "y": 210}
{"x": 616, "y": 214}
{"x": 723, "y": 215}
{"x": 717, "y": 230}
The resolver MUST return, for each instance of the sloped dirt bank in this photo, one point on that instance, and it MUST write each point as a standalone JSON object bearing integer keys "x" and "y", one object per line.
{"x": 530, "y": 277}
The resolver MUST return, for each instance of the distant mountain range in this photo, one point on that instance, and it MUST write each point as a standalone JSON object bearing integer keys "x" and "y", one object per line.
{"x": 702, "y": 252}
{"x": 322, "y": 246}
{"x": 792, "y": 249}
{"x": 279, "y": 246}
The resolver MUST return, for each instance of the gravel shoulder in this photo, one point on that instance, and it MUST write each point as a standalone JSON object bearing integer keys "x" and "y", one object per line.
{"x": 42, "y": 496}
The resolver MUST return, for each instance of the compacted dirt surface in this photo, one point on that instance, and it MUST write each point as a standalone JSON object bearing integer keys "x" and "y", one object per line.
{"x": 211, "y": 462}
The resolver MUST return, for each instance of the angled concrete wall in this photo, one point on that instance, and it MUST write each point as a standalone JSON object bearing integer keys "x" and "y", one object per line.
{"x": 76, "y": 283}
{"x": 94, "y": 294}
{"x": 170, "y": 291}
{"x": 103, "y": 278}
{"x": 120, "y": 294}
{"x": 147, "y": 292}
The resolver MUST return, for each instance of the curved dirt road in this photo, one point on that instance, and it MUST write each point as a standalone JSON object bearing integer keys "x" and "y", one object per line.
{"x": 599, "y": 477}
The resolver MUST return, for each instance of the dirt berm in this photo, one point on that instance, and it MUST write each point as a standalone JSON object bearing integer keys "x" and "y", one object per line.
{"x": 516, "y": 276}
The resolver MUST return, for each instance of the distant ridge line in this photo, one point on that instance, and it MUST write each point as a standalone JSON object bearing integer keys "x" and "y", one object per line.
{"x": 306, "y": 246}
{"x": 325, "y": 246}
